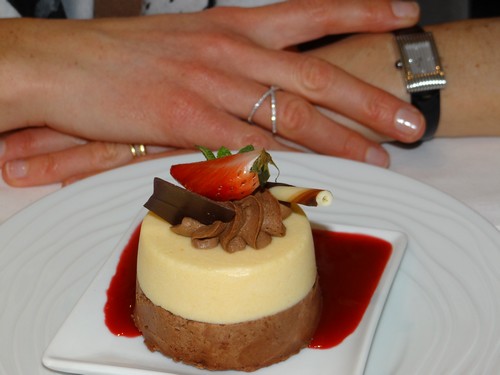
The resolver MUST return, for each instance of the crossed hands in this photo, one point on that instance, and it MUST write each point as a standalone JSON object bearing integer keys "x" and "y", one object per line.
{"x": 77, "y": 93}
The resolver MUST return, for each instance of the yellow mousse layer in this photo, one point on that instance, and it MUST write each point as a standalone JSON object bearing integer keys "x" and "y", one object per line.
{"x": 214, "y": 286}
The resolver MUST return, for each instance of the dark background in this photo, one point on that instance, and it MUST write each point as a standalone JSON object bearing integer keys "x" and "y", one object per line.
{"x": 483, "y": 8}
{"x": 440, "y": 11}
{"x": 433, "y": 11}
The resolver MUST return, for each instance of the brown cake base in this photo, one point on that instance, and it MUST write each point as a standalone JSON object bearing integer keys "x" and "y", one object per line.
{"x": 245, "y": 346}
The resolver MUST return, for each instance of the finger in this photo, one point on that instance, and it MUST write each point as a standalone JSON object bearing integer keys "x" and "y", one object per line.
{"x": 293, "y": 22}
{"x": 233, "y": 134}
{"x": 72, "y": 164}
{"x": 35, "y": 141}
{"x": 299, "y": 122}
{"x": 54, "y": 167}
{"x": 304, "y": 124}
{"x": 158, "y": 155}
{"x": 324, "y": 84}
{"x": 309, "y": 77}
{"x": 350, "y": 124}
{"x": 215, "y": 115}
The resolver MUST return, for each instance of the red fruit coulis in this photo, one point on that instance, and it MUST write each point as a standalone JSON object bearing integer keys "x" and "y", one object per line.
{"x": 121, "y": 291}
{"x": 349, "y": 266}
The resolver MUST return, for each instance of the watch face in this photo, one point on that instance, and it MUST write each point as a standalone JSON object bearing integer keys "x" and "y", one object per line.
{"x": 420, "y": 62}
{"x": 420, "y": 57}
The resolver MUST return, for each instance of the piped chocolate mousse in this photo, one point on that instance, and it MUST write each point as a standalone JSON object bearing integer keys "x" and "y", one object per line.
{"x": 257, "y": 219}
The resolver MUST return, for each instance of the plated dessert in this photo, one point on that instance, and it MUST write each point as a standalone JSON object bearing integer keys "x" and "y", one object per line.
{"x": 226, "y": 269}
{"x": 108, "y": 341}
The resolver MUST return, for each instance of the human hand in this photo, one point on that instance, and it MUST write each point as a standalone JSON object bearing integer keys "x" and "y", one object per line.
{"x": 464, "y": 46}
{"x": 354, "y": 54}
{"x": 234, "y": 55}
{"x": 40, "y": 156}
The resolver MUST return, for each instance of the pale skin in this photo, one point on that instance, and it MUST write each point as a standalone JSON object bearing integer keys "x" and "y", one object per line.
{"x": 75, "y": 93}
{"x": 469, "y": 103}
{"x": 469, "y": 53}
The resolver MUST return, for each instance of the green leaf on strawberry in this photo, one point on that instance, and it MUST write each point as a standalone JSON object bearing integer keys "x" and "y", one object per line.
{"x": 223, "y": 151}
{"x": 209, "y": 155}
{"x": 227, "y": 176}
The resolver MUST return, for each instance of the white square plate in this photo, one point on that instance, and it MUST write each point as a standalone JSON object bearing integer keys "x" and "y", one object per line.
{"x": 84, "y": 344}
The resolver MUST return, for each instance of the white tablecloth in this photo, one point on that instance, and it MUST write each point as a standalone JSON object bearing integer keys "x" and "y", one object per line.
{"x": 467, "y": 169}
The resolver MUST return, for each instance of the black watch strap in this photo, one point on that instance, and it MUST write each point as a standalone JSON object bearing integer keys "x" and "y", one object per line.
{"x": 409, "y": 30}
{"x": 429, "y": 103}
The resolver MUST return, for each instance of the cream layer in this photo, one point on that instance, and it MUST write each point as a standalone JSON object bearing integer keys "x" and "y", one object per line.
{"x": 214, "y": 286}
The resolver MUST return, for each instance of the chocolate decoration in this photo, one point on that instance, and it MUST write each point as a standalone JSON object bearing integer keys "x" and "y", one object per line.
{"x": 299, "y": 195}
{"x": 172, "y": 203}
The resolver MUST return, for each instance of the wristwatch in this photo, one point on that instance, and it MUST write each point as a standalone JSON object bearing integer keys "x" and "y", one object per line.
{"x": 422, "y": 72}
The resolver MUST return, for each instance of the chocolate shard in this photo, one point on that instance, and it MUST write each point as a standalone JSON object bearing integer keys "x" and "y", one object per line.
{"x": 172, "y": 203}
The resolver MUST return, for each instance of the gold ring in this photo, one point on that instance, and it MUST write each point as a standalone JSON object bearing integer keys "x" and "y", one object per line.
{"x": 137, "y": 150}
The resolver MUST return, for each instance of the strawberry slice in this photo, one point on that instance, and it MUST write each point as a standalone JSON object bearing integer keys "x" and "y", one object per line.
{"x": 227, "y": 177}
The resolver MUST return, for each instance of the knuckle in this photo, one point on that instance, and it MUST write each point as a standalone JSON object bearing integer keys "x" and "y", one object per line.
{"x": 184, "y": 108}
{"x": 318, "y": 12}
{"x": 219, "y": 44}
{"x": 26, "y": 142}
{"x": 105, "y": 154}
{"x": 376, "y": 110}
{"x": 314, "y": 74}
{"x": 374, "y": 13}
{"x": 295, "y": 116}
{"x": 198, "y": 71}
{"x": 352, "y": 146}
{"x": 213, "y": 40}
{"x": 50, "y": 166}
{"x": 258, "y": 139}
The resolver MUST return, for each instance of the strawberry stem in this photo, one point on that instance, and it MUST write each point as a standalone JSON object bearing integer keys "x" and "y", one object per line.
{"x": 261, "y": 167}
{"x": 221, "y": 152}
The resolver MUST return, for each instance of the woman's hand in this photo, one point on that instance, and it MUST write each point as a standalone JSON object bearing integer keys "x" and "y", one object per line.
{"x": 39, "y": 156}
{"x": 181, "y": 80}
{"x": 469, "y": 103}
{"x": 370, "y": 57}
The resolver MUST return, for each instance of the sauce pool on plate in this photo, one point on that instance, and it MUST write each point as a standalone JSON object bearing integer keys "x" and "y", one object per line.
{"x": 350, "y": 266}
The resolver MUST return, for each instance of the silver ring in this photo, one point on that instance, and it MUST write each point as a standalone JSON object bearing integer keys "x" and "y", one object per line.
{"x": 272, "y": 93}
{"x": 137, "y": 150}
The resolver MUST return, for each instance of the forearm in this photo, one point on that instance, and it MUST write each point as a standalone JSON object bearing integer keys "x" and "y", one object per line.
{"x": 17, "y": 80}
{"x": 470, "y": 102}
{"x": 469, "y": 54}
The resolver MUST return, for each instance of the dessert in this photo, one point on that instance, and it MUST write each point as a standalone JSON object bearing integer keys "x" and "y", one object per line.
{"x": 233, "y": 289}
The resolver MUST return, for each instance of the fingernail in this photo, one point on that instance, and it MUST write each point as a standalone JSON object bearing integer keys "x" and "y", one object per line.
{"x": 405, "y": 9}
{"x": 16, "y": 169}
{"x": 376, "y": 156}
{"x": 409, "y": 122}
